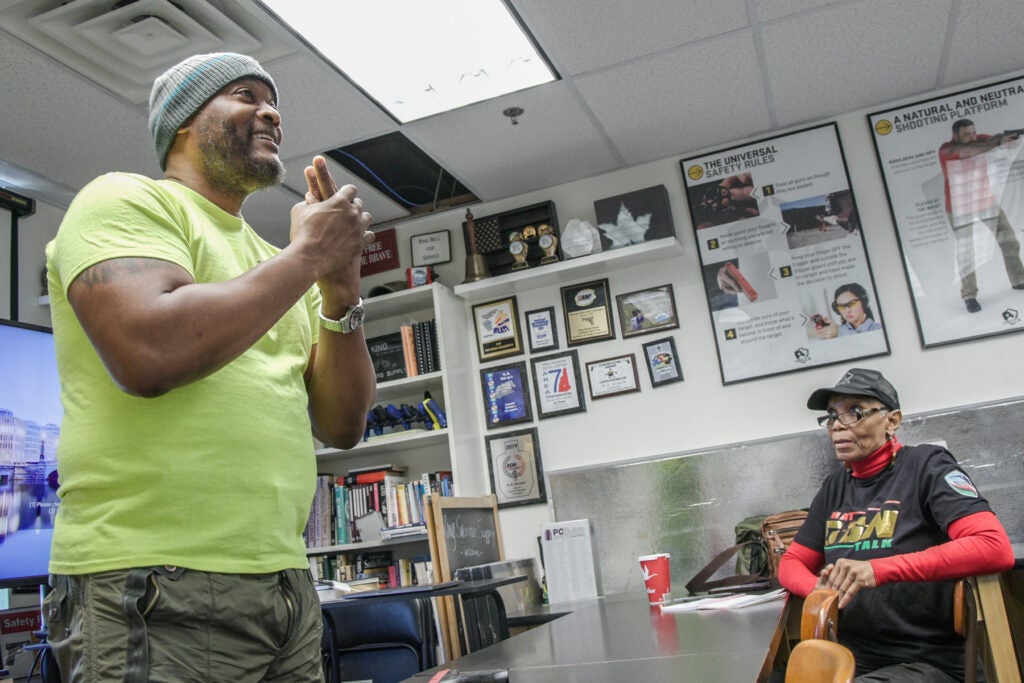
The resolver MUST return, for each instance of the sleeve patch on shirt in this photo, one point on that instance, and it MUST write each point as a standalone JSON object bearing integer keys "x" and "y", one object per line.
{"x": 959, "y": 482}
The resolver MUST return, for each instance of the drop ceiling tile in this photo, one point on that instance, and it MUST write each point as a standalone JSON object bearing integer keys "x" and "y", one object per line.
{"x": 767, "y": 10}
{"x": 320, "y": 110}
{"x": 554, "y": 142}
{"x": 62, "y": 126}
{"x": 671, "y": 103}
{"x": 849, "y": 57}
{"x": 980, "y": 47}
{"x": 583, "y": 35}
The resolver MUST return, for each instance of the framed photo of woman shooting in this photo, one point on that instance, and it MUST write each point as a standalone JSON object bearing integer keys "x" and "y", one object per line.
{"x": 646, "y": 311}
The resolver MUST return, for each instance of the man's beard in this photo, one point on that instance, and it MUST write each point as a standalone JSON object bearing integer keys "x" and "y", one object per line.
{"x": 229, "y": 164}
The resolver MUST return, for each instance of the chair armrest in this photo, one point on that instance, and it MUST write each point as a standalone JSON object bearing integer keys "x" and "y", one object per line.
{"x": 820, "y": 615}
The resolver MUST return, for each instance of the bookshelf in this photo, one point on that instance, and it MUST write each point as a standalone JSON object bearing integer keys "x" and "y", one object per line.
{"x": 420, "y": 450}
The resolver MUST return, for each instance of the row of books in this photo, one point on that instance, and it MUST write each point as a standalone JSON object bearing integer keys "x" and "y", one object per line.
{"x": 371, "y": 504}
{"x": 381, "y": 565}
{"x": 411, "y": 350}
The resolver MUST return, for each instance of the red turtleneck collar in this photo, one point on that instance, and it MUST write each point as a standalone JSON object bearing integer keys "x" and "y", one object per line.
{"x": 877, "y": 461}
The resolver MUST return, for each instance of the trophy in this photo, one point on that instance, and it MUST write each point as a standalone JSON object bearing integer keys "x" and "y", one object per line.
{"x": 548, "y": 243}
{"x": 476, "y": 265}
{"x": 518, "y": 248}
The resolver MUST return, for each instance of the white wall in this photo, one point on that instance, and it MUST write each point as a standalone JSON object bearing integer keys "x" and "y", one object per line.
{"x": 33, "y": 233}
{"x": 700, "y": 412}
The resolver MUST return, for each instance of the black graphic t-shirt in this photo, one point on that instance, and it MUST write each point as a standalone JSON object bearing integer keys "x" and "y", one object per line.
{"x": 905, "y": 508}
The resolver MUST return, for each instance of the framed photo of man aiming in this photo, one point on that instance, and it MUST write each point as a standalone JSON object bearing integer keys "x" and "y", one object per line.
{"x": 954, "y": 174}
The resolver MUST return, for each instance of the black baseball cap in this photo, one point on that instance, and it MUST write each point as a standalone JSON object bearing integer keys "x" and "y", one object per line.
{"x": 858, "y": 382}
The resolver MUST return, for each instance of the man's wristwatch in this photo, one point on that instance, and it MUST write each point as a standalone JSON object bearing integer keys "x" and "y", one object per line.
{"x": 352, "y": 320}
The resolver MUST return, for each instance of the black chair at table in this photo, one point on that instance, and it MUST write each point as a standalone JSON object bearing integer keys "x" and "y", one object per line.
{"x": 382, "y": 641}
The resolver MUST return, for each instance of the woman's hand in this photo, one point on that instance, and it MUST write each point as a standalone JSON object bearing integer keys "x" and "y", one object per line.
{"x": 848, "y": 577}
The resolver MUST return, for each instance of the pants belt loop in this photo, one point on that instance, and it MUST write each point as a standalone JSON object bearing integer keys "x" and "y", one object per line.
{"x": 136, "y": 665}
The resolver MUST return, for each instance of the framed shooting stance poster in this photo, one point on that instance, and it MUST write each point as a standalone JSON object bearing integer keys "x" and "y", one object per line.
{"x": 954, "y": 177}
{"x": 588, "y": 313}
{"x": 497, "y": 329}
{"x": 557, "y": 385}
{"x": 517, "y": 476}
{"x": 783, "y": 255}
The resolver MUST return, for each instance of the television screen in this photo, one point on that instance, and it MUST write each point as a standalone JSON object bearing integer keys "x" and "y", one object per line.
{"x": 30, "y": 415}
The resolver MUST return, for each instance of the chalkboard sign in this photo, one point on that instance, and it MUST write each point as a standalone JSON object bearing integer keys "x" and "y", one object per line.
{"x": 470, "y": 537}
{"x": 462, "y": 532}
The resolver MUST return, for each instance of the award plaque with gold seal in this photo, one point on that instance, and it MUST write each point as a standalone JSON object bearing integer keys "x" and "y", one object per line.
{"x": 548, "y": 243}
{"x": 518, "y": 248}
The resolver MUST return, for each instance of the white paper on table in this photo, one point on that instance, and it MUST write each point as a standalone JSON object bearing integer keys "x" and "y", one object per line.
{"x": 725, "y": 601}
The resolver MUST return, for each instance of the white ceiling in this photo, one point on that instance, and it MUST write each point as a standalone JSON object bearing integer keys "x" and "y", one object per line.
{"x": 641, "y": 80}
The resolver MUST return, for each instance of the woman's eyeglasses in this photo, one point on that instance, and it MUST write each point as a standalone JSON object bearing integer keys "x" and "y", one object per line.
{"x": 848, "y": 418}
{"x": 847, "y": 305}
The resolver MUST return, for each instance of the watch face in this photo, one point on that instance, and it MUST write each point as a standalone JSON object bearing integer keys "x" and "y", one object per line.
{"x": 355, "y": 318}
{"x": 546, "y": 240}
{"x": 516, "y": 247}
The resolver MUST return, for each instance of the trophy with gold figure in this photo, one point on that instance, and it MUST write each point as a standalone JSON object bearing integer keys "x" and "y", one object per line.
{"x": 517, "y": 247}
{"x": 548, "y": 242}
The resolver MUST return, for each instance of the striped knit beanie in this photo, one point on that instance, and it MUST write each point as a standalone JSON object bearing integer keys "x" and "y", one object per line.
{"x": 184, "y": 88}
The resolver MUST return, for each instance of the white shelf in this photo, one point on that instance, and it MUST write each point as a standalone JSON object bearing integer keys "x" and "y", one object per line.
{"x": 404, "y": 302}
{"x": 43, "y": 300}
{"x": 566, "y": 271}
{"x": 407, "y": 386}
{"x": 369, "y": 545}
{"x": 390, "y": 443}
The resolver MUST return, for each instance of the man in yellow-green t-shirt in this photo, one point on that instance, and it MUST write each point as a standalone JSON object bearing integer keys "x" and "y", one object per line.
{"x": 194, "y": 370}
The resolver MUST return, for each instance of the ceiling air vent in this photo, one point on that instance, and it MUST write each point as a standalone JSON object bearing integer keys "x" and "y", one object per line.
{"x": 125, "y": 45}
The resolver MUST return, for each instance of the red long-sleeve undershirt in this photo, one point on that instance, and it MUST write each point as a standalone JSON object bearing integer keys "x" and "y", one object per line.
{"x": 978, "y": 545}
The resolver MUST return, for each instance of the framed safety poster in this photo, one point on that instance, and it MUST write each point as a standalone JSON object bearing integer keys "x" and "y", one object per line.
{"x": 782, "y": 254}
{"x": 954, "y": 176}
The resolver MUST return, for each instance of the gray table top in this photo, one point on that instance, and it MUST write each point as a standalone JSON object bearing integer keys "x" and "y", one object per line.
{"x": 620, "y": 638}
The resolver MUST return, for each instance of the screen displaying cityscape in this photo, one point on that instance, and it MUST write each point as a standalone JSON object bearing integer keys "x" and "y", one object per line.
{"x": 30, "y": 415}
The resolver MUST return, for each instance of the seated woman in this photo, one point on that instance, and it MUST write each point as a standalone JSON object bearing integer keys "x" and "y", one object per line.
{"x": 889, "y": 531}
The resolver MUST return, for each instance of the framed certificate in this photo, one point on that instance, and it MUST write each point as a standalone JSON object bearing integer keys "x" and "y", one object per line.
{"x": 587, "y": 312}
{"x": 497, "y": 329}
{"x": 541, "y": 329}
{"x": 506, "y": 395}
{"x": 517, "y": 476}
{"x": 613, "y": 376}
{"x": 431, "y": 248}
{"x": 662, "y": 362}
{"x": 557, "y": 385}
{"x": 648, "y": 310}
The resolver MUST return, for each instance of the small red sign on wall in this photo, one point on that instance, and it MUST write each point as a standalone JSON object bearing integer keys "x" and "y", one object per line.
{"x": 381, "y": 254}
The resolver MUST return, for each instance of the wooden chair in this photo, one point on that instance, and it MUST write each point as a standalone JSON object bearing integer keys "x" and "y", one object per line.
{"x": 980, "y": 616}
{"x": 820, "y": 615}
{"x": 820, "y": 661}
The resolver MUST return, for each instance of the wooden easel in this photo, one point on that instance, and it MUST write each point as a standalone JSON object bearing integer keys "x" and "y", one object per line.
{"x": 457, "y": 529}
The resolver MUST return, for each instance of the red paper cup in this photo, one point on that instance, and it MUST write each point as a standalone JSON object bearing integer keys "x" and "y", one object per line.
{"x": 656, "y": 577}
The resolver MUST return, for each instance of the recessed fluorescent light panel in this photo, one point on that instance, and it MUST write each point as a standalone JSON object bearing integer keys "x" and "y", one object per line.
{"x": 418, "y": 58}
